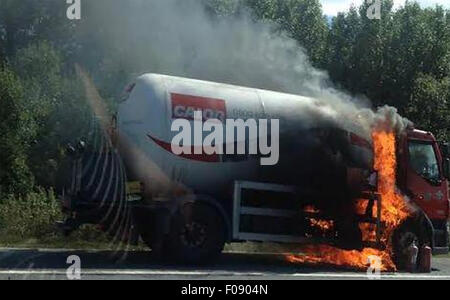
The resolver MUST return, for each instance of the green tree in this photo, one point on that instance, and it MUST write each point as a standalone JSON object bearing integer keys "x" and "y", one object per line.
{"x": 16, "y": 130}
{"x": 341, "y": 60}
{"x": 28, "y": 21}
{"x": 401, "y": 60}
{"x": 357, "y": 50}
{"x": 420, "y": 44}
{"x": 56, "y": 103}
{"x": 429, "y": 106}
{"x": 303, "y": 20}
{"x": 39, "y": 68}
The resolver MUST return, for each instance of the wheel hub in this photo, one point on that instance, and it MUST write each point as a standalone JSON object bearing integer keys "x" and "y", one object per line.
{"x": 193, "y": 234}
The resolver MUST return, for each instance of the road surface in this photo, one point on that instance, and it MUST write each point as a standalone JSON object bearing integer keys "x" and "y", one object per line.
{"x": 52, "y": 264}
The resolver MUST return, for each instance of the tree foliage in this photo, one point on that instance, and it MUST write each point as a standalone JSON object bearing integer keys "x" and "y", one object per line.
{"x": 16, "y": 129}
{"x": 400, "y": 60}
{"x": 301, "y": 19}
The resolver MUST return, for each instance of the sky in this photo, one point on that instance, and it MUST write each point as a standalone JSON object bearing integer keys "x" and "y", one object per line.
{"x": 332, "y": 7}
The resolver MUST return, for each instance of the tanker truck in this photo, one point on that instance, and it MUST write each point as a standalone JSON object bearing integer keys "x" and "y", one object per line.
{"x": 188, "y": 205}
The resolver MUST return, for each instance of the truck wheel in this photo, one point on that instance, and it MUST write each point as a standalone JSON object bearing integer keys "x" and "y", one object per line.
{"x": 402, "y": 239}
{"x": 197, "y": 234}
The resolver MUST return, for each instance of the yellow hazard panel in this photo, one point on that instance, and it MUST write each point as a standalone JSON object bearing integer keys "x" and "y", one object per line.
{"x": 134, "y": 191}
{"x": 133, "y": 187}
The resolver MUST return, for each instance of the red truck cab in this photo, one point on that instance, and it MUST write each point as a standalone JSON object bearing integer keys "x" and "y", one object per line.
{"x": 423, "y": 172}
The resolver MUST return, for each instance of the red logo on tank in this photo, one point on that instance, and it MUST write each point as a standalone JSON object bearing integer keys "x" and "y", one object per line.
{"x": 184, "y": 106}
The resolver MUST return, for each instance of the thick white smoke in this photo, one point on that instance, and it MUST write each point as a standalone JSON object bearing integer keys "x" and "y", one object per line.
{"x": 177, "y": 37}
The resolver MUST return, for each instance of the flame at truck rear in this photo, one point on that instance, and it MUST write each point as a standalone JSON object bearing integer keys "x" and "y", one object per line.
{"x": 394, "y": 212}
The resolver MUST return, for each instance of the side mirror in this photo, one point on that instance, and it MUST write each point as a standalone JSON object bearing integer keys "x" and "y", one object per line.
{"x": 446, "y": 168}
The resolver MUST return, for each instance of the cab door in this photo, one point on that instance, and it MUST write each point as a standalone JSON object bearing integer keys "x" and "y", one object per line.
{"x": 425, "y": 180}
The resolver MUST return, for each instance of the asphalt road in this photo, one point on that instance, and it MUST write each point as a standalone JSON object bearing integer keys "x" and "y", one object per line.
{"x": 52, "y": 264}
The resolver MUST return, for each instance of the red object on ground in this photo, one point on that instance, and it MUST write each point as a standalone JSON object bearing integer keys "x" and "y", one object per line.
{"x": 425, "y": 259}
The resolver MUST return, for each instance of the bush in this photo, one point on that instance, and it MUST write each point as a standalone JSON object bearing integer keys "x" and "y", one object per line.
{"x": 31, "y": 216}
{"x": 90, "y": 234}
{"x": 17, "y": 129}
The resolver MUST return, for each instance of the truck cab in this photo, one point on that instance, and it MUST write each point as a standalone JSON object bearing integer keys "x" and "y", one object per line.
{"x": 423, "y": 172}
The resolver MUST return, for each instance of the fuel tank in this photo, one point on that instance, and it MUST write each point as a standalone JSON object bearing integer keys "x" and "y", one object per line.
{"x": 313, "y": 149}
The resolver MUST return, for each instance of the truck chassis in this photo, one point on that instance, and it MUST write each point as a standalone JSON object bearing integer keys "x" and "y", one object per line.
{"x": 240, "y": 210}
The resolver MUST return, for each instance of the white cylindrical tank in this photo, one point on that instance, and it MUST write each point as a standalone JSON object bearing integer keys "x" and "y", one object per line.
{"x": 155, "y": 101}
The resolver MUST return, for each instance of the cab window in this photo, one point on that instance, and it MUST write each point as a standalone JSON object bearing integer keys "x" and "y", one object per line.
{"x": 423, "y": 161}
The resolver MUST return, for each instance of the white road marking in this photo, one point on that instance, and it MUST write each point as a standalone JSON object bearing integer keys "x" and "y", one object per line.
{"x": 129, "y": 272}
{"x": 386, "y": 276}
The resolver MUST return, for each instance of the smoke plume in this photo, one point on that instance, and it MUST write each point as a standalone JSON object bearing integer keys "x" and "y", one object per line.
{"x": 179, "y": 38}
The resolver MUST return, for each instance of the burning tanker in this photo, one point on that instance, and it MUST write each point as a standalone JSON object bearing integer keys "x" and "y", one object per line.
{"x": 394, "y": 211}
{"x": 340, "y": 185}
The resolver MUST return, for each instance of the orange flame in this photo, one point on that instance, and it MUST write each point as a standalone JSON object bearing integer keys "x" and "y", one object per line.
{"x": 394, "y": 211}
{"x": 394, "y": 207}
{"x": 322, "y": 225}
{"x": 329, "y": 255}
{"x": 310, "y": 209}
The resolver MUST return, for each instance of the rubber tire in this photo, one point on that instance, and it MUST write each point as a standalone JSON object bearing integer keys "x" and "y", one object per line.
{"x": 399, "y": 257}
{"x": 214, "y": 240}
